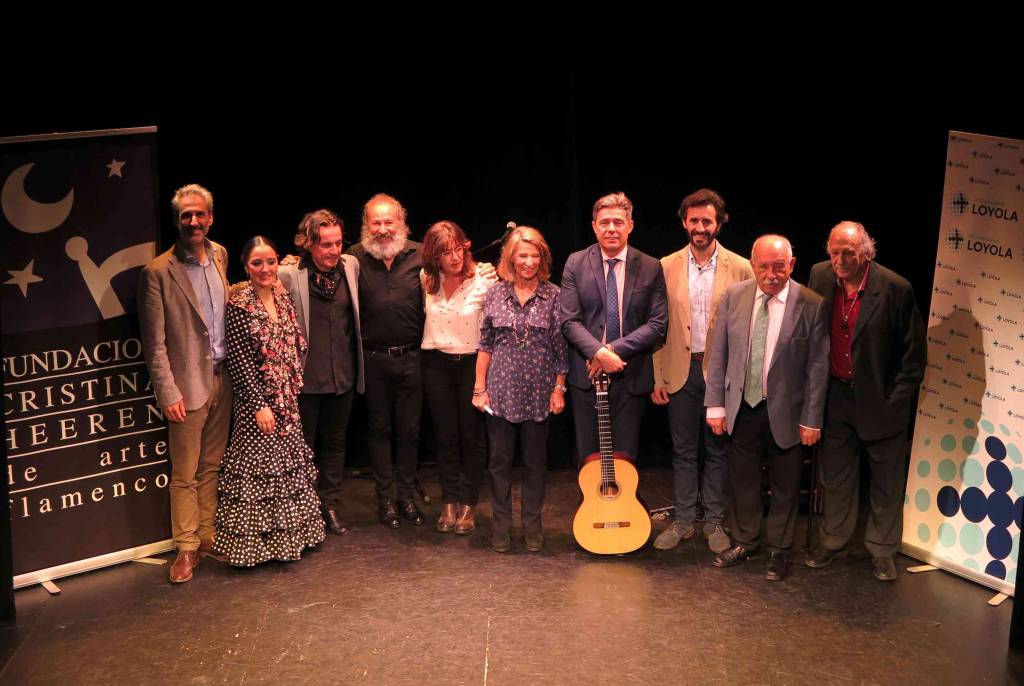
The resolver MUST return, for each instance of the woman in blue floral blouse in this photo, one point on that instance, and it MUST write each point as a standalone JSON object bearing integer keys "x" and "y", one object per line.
{"x": 520, "y": 379}
{"x": 268, "y": 508}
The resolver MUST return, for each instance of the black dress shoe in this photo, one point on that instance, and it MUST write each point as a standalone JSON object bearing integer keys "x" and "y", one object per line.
{"x": 884, "y": 568}
{"x": 411, "y": 512}
{"x": 388, "y": 514}
{"x": 823, "y": 557}
{"x": 730, "y": 557}
{"x": 335, "y": 524}
{"x": 778, "y": 565}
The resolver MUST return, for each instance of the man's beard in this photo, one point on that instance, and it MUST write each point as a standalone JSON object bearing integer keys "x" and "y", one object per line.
{"x": 384, "y": 252}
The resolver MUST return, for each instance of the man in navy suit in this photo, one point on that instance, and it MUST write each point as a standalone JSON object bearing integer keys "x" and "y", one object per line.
{"x": 613, "y": 315}
{"x": 766, "y": 388}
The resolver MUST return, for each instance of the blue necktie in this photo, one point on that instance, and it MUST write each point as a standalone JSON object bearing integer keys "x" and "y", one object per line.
{"x": 612, "y": 331}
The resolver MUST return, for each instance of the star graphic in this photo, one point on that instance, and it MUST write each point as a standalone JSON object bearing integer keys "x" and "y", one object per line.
{"x": 23, "y": 277}
{"x": 115, "y": 168}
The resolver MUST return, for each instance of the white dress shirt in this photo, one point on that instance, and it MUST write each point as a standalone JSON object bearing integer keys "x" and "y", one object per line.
{"x": 452, "y": 325}
{"x": 776, "y": 311}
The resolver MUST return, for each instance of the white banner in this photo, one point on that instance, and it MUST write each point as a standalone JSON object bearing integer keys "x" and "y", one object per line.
{"x": 966, "y": 482}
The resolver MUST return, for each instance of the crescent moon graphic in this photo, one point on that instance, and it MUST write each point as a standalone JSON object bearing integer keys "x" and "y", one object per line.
{"x": 27, "y": 215}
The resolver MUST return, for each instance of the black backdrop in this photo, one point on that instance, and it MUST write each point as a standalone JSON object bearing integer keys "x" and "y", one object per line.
{"x": 536, "y": 144}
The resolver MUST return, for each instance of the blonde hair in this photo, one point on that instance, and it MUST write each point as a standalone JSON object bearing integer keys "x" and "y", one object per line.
{"x": 524, "y": 234}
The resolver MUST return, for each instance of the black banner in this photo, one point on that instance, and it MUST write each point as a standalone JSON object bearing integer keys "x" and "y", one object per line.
{"x": 87, "y": 462}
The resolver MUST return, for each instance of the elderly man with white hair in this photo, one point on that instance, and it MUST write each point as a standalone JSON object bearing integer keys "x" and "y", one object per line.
{"x": 766, "y": 387}
{"x": 877, "y": 362}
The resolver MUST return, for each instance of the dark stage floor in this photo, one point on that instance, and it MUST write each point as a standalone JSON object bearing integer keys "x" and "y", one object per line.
{"x": 415, "y": 606}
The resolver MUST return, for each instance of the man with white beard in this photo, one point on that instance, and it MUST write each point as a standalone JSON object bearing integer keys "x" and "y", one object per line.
{"x": 391, "y": 314}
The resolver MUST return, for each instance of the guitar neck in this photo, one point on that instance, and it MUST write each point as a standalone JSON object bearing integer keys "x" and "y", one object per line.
{"x": 604, "y": 435}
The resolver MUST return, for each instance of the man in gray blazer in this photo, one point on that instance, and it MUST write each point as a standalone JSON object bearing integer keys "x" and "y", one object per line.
{"x": 766, "y": 387}
{"x": 613, "y": 315}
{"x": 325, "y": 287}
{"x": 182, "y": 297}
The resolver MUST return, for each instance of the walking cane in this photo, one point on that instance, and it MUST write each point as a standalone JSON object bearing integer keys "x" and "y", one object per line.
{"x": 813, "y": 496}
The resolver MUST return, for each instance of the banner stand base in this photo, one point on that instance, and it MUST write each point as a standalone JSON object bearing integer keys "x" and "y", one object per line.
{"x": 998, "y": 599}
{"x": 921, "y": 568}
{"x": 151, "y": 561}
{"x": 51, "y": 588}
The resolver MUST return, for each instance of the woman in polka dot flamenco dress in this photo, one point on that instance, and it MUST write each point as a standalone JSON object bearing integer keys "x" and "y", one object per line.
{"x": 268, "y": 508}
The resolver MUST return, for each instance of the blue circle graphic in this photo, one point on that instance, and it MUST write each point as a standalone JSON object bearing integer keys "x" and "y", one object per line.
{"x": 999, "y": 477}
{"x": 995, "y": 448}
{"x": 948, "y": 501}
{"x": 999, "y": 542}
{"x": 1018, "y": 512}
{"x": 974, "y": 505}
{"x": 996, "y": 568}
{"x": 1000, "y": 509}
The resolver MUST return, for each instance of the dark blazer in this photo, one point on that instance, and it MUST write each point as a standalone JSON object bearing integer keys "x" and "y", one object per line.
{"x": 644, "y": 315}
{"x": 296, "y": 280}
{"x": 174, "y": 336}
{"x": 797, "y": 372}
{"x": 889, "y": 352}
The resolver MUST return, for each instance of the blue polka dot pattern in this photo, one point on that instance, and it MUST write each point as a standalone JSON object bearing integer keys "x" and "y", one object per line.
{"x": 995, "y": 448}
{"x": 948, "y": 501}
{"x": 974, "y": 505}
{"x": 1000, "y": 509}
{"x": 999, "y": 477}
{"x": 999, "y": 542}
{"x": 996, "y": 568}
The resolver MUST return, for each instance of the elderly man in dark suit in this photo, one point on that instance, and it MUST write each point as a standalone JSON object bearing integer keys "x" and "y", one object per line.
{"x": 877, "y": 363}
{"x": 182, "y": 297}
{"x": 766, "y": 387}
{"x": 613, "y": 315}
{"x": 325, "y": 288}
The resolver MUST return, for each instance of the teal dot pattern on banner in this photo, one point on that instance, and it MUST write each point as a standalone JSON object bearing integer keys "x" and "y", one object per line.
{"x": 971, "y": 539}
{"x": 1018, "y": 480}
{"x": 922, "y": 499}
{"x": 947, "y": 535}
{"x": 962, "y": 496}
{"x": 971, "y": 473}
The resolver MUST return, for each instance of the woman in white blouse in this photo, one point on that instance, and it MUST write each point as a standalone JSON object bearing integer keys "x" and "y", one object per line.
{"x": 454, "y": 289}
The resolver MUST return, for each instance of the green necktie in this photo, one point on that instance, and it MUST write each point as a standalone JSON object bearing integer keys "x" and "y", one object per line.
{"x": 753, "y": 392}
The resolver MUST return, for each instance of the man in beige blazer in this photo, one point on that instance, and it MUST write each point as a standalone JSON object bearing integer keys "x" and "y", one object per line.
{"x": 696, "y": 277}
{"x": 182, "y": 297}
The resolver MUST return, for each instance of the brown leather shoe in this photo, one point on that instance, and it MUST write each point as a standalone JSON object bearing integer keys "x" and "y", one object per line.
{"x": 181, "y": 570}
{"x": 206, "y": 550}
{"x": 446, "y": 522}
{"x": 466, "y": 521}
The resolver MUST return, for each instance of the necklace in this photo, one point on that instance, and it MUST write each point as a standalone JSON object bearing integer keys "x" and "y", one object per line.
{"x": 847, "y": 312}
{"x": 521, "y": 341}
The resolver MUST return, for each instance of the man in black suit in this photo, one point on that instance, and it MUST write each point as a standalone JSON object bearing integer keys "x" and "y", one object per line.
{"x": 613, "y": 315}
{"x": 877, "y": 363}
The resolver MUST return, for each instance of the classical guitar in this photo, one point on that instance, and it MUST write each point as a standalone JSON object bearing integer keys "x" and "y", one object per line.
{"x": 610, "y": 520}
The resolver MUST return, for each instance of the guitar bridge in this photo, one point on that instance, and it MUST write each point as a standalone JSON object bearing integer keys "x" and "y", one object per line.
{"x": 611, "y": 525}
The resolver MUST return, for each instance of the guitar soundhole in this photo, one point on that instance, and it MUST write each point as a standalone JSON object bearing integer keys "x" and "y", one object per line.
{"x": 610, "y": 490}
